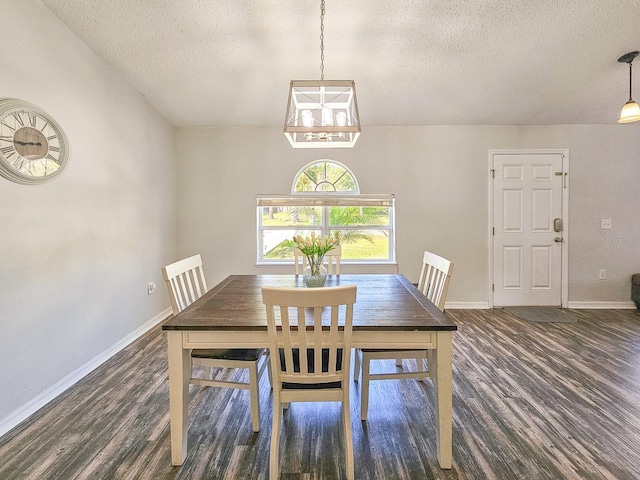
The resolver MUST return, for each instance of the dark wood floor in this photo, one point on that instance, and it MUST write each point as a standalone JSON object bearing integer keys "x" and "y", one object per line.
{"x": 531, "y": 401}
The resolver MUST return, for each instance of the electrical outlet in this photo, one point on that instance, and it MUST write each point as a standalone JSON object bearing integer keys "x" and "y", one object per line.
{"x": 605, "y": 223}
{"x": 151, "y": 288}
{"x": 602, "y": 275}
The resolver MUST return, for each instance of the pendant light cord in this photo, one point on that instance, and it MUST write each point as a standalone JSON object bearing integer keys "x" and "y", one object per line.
{"x": 630, "y": 73}
{"x": 322, "y": 40}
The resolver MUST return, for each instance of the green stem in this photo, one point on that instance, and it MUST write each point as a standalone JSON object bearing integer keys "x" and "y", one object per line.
{"x": 314, "y": 263}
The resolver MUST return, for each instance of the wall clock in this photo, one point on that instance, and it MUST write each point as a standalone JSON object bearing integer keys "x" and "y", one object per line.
{"x": 33, "y": 146}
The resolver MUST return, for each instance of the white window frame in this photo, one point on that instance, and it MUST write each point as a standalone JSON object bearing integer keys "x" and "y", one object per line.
{"x": 326, "y": 200}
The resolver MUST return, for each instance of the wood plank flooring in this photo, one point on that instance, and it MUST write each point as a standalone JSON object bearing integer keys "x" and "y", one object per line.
{"x": 534, "y": 401}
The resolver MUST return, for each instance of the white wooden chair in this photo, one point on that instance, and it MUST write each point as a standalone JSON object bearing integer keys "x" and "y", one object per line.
{"x": 332, "y": 258}
{"x": 322, "y": 343}
{"x": 433, "y": 283}
{"x": 186, "y": 283}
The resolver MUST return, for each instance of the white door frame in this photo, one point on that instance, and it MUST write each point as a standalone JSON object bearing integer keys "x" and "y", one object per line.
{"x": 565, "y": 216}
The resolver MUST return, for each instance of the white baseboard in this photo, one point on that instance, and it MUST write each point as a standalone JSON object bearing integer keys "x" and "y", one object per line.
{"x": 584, "y": 304}
{"x": 22, "y": 413}
{"x": 466, "y": 305}
{"x": 604, "y": 305}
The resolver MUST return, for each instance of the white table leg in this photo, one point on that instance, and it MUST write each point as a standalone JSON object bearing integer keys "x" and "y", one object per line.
{"x": 179, "y": 376}
{"x": 442, "y": 376}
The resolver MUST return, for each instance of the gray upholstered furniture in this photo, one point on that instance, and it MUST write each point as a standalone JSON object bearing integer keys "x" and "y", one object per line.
{"x": 635, "y": 290}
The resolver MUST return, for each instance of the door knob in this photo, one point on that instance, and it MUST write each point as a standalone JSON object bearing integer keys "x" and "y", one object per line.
{"x": 559, "y": 239}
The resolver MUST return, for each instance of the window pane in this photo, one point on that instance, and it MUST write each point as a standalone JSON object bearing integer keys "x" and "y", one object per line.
{"x": 359, "y": 216}
{"x": 363, "y": 244}
{"x": 278, "y": 244}
{"x": 291, "y": 216}
{"x": 345, "y": 183}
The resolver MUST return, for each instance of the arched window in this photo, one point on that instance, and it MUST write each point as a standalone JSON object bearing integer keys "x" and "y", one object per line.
{"x": 325, "y": 176}
{"x": 325, "y": 198}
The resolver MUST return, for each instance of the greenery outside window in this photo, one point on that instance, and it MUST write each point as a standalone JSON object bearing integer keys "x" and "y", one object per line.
{"x": 325, "y": 199}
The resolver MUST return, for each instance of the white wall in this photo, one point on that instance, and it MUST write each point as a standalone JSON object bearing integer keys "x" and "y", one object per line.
{"x": 76, "y": 254}
{"x": 440, "y": 177}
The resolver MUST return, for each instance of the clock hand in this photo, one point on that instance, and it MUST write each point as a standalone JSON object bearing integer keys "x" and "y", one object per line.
{"x": 27, "y": 143}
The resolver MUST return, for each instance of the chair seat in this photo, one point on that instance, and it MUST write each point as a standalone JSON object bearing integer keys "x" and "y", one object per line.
{"x": 310, "y": 386}
{"x": 311, "y": 363}
{"x": 241, "y": 354}
{"x": 374, "y": 350}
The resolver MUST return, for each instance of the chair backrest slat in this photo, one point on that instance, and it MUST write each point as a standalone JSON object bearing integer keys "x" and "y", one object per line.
{"x": 324, "y": 320}
{"x": 434, "y": 278}
{"x": 331, "y": 260}
{"x": 288, "y": 347}
{"x": 333, "y": 339}
{"x": 334, "y": 257}
{"x": 185, "y": 282}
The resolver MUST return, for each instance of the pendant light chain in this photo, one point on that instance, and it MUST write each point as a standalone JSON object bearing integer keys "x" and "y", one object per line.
{"x": 322, "y": 40}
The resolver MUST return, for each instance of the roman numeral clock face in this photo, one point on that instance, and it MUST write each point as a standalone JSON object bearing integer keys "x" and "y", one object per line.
{"x": 33, "y": 147}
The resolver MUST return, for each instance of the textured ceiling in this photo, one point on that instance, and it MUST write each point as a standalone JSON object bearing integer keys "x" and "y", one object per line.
{"x": 415, "y": 62}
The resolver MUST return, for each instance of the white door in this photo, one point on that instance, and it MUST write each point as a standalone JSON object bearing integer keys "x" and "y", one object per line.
{"x": 527, "y": 236}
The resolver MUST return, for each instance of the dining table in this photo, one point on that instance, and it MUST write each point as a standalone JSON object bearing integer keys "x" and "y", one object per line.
{"x": 390, "y": 312}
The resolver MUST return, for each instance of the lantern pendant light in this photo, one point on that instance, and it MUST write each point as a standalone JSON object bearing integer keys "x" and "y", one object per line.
{"x": 322, "y": 113}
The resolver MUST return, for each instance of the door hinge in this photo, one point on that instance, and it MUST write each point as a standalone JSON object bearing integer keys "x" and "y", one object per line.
{"x": 494, "y": 231}
{"x": 493, "y": 287}
{"x": 493, "y": 173}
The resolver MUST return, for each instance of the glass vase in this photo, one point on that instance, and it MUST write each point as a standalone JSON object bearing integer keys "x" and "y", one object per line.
{"x": 314, "y": 274}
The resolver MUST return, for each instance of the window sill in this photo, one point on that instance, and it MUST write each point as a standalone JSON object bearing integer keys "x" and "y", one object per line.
{"x": 345, "y": 267}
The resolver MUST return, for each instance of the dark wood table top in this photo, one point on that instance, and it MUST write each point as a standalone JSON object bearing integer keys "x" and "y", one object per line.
{"x": 387, "y": 302}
